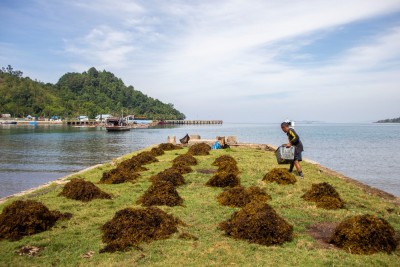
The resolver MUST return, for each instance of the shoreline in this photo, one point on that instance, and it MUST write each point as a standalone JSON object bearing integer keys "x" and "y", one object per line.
{"x": 63, "y": 179}
{"x": 58, "y": 181}
{"x": 366, "y": 188}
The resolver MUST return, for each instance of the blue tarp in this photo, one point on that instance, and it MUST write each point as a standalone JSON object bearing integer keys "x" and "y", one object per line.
{"x": 216, "y": 145}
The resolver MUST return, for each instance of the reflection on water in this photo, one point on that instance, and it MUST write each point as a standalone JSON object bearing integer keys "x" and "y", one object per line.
{"x": 30, "y": 156}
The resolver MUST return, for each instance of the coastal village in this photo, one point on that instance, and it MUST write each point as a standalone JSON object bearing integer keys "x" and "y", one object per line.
{"x": 101, "y": 120}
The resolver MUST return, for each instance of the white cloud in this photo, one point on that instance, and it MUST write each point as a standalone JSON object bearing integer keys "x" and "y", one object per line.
{"x": 379, "y": 53}
{"x": 236, "y": 57}
{"x": 103, "y": 47}
{"x": 319, "y": 94}
{"x": 218, "y": 35}
{"x": 111, "y": 8}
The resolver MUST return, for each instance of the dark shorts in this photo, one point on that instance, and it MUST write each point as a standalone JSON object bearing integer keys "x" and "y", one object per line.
{"x": 297, "y": 156}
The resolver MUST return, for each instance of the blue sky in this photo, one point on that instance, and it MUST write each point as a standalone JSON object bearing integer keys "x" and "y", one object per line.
{"x": 240, "y": 61}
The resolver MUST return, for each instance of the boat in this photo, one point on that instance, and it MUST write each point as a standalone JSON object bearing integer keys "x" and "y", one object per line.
{"x": 117, "y": 125}
{"x": 290, "y": 122}
{"x": 8, "y": 122}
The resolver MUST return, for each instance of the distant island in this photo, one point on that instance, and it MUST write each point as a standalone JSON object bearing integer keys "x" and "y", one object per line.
{"x": 89, "y": 93}
{"x": 396, "y": 120}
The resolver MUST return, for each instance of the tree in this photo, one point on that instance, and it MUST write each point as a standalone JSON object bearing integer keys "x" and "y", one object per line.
{"x": 11, "y": 71}
{"x": 88, "y": 93}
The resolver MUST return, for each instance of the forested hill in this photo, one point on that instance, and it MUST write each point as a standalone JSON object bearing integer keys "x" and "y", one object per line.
{"x": 89, "y": 93}
{"x": 397, "y": 120}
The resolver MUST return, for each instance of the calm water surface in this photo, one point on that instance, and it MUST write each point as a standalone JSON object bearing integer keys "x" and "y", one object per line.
{"x": 31, "y": 156}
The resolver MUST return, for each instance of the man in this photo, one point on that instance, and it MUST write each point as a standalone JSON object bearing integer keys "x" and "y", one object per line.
{"x": 294, "y": 140}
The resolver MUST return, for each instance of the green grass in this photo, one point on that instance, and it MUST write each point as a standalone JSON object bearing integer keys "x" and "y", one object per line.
{"x": 64, "y": 244}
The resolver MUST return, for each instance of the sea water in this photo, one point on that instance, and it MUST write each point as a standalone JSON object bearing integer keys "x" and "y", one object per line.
{"x": 33, "y": 155}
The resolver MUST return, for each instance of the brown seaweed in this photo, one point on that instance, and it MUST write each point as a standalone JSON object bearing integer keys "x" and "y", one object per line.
{"x": 280, "y": 176}
{"x": 130, "y": 227}
{"x": 169, "y": 175}
{"x": 118, "y": 176}
{"x": 161, "y": 193}
{"x": 222, "y": 160}
{"x": 229, "y": 167}
{"x": 132, "y": 164}
{"x": 365, "y": 234}
{"x": 168, "y": 146}
{"x": 82, "y": 190}
{"x": 258, "y": 223}
{"x": 187, "y": 159}
{"x": 145, "y": 157}
{"x": 224, "y": 179}
{"x": 200, "y": 149}
{"x": 23, "y": 218}
{"x": 182, "y": 168}
{"x": 240, "y": 196}
{"x": 156, "y": 151}
{"x": 324, "y": 195}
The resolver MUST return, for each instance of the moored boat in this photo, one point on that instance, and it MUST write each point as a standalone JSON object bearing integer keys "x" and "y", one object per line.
{"x": 117, "y": 128}
{"x": 117, "y": 125}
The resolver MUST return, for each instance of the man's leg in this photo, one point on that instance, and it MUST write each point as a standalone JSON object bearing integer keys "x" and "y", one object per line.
{"x": 291, "y": 166}
{"x": 298, "y": 168}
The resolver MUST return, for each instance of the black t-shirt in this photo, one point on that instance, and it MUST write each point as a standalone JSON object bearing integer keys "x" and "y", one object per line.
{"x": 294, "y": 139}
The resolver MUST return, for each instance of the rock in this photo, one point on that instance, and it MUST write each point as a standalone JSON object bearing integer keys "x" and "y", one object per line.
{"x": 230, "y": 140}
{"x": 172, "y": 140}
{"x": 194, "y": 136}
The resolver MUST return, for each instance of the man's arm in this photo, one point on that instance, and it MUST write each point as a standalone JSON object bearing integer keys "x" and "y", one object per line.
{"x": 293, "y": 138}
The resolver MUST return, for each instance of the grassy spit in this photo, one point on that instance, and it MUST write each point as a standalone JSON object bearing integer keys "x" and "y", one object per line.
{"x": 67, "y": 242}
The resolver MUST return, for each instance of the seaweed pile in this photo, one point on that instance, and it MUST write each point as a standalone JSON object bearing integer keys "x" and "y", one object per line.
{"x": 200, "y": 149}
{"x": 80, "y": 189}
{"x": 132, "y": 165}
{"x": 145, "y": 157}
{"x": 168, "y": 146}
{"x": 130, "y": 227}
{"x": 279, "y": 176}
{"x": 118, "y": 176}
{"x": 223, "y": 160}
{"x": 227, "y": 174}
{"x": 161, "y": 193}
{"x": 169, "y": 175}
{"x": 127, "y": 170}
{"x": 183, "y": 162}
{"x": 240, "y": 196}
{"x": 365, "y": 234}
{"x": 185, "y": 159}
{"x": 181, "y": 168}
{"x": 22, "y": 218}
{"x": 157, "y": 151}
{"x": 224, "y": 179}
{"x": 258, "y": 223}
{"x": 228, "y": 167}
{"x": 324, "y": 195}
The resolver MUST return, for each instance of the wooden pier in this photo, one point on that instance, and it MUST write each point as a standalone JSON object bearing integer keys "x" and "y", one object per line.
{"x": 174, "y": 122}
{"x": 81, "y": 123}
{"x": 192, "y": 122}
